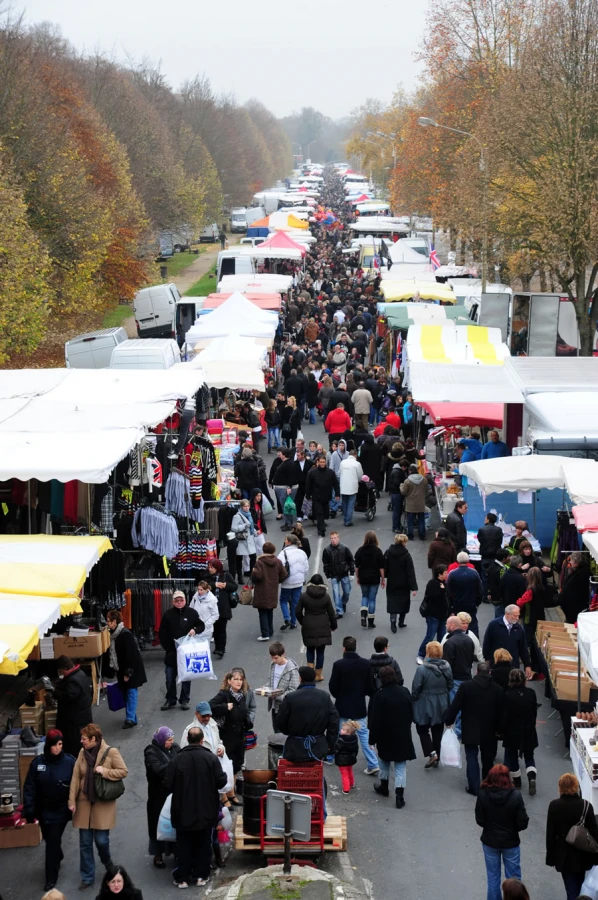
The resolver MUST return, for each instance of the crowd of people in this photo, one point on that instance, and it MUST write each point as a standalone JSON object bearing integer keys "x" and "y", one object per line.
{"x": 332, "y": 367}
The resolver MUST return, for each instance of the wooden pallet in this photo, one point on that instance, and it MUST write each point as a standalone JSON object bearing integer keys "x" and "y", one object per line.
{"x": 335, "y": 837}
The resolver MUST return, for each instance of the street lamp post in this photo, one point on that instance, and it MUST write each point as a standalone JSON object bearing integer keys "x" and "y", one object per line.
{"x": 425, "y": 122}
{"x": 296, "y": 144}
{"x": 308, "y": 146}
{"x": 393, "y": 139}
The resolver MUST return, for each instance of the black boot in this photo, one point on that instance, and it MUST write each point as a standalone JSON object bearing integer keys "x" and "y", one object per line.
{"x": 517, "y": 781}
{"x": 399, "y": 798}
{"x": 382, "y": 788}
{"x": 402, "y": 620}
{"x": 364, "y": 617}
{"x": 393, "y": 624}
{"x": 531, "y": 777}
{"x": 371, "y": 622}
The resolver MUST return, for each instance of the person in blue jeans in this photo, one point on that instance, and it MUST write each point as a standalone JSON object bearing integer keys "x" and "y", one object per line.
{"x": 414, "y": 490}
{"x": 297, "y": 565}
{"x": 351, "y": 682}
{"x": 369, "y": 572}
{"x": 338, "y": 567}
{"x": 94, "y": 819}
{"x": 436, "y": 609}
{"x": 127, "y": 665}
{"x": 500, "y": 812}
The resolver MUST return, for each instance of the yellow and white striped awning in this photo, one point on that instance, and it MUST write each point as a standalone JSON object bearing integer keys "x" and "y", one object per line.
{"x": 469, "y": 344}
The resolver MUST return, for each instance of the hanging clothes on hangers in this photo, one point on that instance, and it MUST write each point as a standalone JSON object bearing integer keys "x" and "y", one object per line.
{"x": 178, "y": 497}
{"x": 155, "y": 530}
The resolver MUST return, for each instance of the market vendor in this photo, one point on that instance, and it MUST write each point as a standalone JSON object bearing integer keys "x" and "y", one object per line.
{"x": 237, "y": 415}
{"x": 309, "y": 719}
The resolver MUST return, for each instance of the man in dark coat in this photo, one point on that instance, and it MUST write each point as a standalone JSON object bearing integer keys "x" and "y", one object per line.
{"x": 320, "y": 484}
{"x": 294, "y": 386}
{"x": 464, "y": 590}
{"x": 74, "y": 698}
{"x": 176, "y": 622}
{"x": 309, "y": 719}
{"x": 351, "y": 681}
{"x": 507, "y": 634}
{"x": 126, "y": 662}
{"x": 490, "y": 537}
{"x": 513, "y": 585}
{"x": 340, "y": 395}
{"x": 480, "y": 702}
{"x": 459, "y": 652}
{"x": 390, "y": 716}
{"x": 456, "y": 525}
{"x": 194, "y": 778}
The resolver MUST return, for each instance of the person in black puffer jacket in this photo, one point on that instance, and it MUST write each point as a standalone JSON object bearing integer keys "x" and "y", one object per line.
{"x": 246, "y": 473}
{"x": 315, "y": 613}
{"x": 400, "y": 581}
{"x": 436, "y": 608}
{"x": 380, "y": 658}
{"x": 74, "y": 695}
{"x": 346, "y": 750}
{"x": 501, "y": 813}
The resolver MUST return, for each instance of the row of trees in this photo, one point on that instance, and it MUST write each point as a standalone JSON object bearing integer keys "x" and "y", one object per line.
{"x": 96, "y": 160}
{"x": 522, "y": 77}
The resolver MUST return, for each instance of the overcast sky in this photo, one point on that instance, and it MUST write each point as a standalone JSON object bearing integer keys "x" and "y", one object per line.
{"x": 331, "y": 55}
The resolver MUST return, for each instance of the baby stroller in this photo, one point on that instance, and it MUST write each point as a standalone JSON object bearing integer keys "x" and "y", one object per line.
{"x": 366, "y": 499}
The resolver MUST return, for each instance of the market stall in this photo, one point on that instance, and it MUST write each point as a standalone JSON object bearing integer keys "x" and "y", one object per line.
{"x": 415, "y": 290}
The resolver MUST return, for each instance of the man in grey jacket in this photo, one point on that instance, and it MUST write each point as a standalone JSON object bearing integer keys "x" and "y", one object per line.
{"x": 414, "y": 490}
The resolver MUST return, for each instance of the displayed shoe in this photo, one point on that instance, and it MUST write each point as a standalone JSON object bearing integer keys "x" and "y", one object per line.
{"x": 382, "y": 788}
{"x": 373, "y": 771}
{"x": 285, "y": 626}
{"x": 184, "y": 706}
{"x": 399, "y": 798}
{"x": 167, "y": 706}
{"x": 393, "y": 627}
{"x": 263, "y": 639}
{"x": 419, "y": 661}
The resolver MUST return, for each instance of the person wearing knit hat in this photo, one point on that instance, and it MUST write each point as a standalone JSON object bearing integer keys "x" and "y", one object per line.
{"x": 158, "y": 755}
{"x": 176, "y": 622}
{"x": 45, "y": 798}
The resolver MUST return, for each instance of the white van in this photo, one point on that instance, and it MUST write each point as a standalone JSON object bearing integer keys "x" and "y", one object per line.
{"x": 209, "y": 234}
{"x": 155, "y": 353}
{"x": 93, "y": 350}
{"x": 231, "y": 262}
{"x": 238, "y": 222}
{"x": 153, "y": 308}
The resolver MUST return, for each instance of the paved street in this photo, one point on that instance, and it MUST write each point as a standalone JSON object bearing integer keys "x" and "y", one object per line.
{"x": 431, "y": 847}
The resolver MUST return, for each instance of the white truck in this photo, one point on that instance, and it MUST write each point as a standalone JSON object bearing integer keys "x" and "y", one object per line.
{"x": 238, "y": 220}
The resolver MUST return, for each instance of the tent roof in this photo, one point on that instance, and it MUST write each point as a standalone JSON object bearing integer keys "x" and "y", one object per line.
{"x": 538, "y": 374}
{"x": 442, "y": 382}
{"x": 396, "y": 291}
{"x": 574, "y": 413}
{"x": 281, "y": 241}
{"x": 520, "y": 473}
{"x": 262, "y": 301}
{"x": 244, "y": 375}
{"x": 263, "y": 252}
{"x": 483, "y": 414}
{"x": 402, "y": 315}
{"x": 237, "y": 315}
{"x": 404, "y": 253}
{"x": 232, "y": 347}
{"x": 468, "y": 344}
{"x": 257, "y": 284}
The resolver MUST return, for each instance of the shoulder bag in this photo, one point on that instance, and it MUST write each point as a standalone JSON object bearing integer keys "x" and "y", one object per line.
{"x": 107, "y": 790}
{"x": 286, "y": 563}
{"x": 578, "y": 835}
{"x": 246, "y": 595}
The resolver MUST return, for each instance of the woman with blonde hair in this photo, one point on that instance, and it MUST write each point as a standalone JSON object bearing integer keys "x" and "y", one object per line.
{"x": 430, "y": 693}
{"x": 563, "y": 813}
{"x": 501, "y": 666}
{"x": 290, "y": 422}
{"x": 401, "y": 581}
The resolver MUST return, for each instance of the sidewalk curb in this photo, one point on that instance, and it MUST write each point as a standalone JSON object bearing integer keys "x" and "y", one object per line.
{"x": 262, "y": 879}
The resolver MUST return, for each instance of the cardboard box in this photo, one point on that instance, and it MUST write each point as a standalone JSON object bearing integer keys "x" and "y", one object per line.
{"x": 566, "y": 688}
{"x": 85, "y": 647}
{"x": 27, "y": 836}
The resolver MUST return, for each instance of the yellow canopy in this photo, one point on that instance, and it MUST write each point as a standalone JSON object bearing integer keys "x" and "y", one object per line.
{"x": 48, "y": 565}
{"x": 398, "y": 291}
{"x": 16, "y": 643}
{"x": 294, "y": 222}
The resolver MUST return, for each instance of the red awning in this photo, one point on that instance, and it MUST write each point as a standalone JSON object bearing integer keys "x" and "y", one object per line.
{"x": 488, "y": 414}
{"x": 263, "y": 301}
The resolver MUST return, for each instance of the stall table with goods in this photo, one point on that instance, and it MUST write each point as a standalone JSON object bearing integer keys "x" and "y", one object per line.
{"x": 584, "y": 754}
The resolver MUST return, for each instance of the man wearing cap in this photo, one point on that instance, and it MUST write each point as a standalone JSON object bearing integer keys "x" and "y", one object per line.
{"x": 176, "y": 622}
{"x": 211, "y": 734}
{"x": 309, "y": 719}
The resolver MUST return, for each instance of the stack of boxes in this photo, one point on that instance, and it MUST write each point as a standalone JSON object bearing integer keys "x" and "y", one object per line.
{"x": 9, "y": 768}
{"x": 558, "y": 644}
{"x": 33, "y": 717}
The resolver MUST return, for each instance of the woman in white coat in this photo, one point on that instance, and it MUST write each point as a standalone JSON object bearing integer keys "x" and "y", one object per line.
{"x": 350, "y": 474}
{"x": 243, "y": 527}
{"x": 206, "y": 606}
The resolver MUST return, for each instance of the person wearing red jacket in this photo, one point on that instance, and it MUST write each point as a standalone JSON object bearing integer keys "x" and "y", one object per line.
{"x": 393, "y": 419}
{"x": 338, "y": 421}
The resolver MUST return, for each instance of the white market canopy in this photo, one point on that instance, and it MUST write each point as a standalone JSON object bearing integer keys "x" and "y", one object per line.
{"x": 527, "y": 473}
{"x": 450, "y": 382}
{"x": 255, "y": 284}
{"x": 587, "y": 636}
{"x": 261, "y": 252}
{"x": 471, "y": 345}
{"x": 236, "y": 316}
{"x": 574, "y": 414}
{"x": 234, "y": 348}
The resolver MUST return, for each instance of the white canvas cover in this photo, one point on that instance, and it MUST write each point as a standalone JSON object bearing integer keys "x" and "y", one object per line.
{"x": 447, "y": 383}
{"x": 581, "y": 479}
{"x": 255, "y": 284}
{"x": 517, "y": 473}
{"x": 587, "y": 636}
{"x": 574, "y": 413}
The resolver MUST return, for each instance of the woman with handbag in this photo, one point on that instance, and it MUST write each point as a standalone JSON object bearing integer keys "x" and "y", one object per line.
{"x": 501, "y": 813}
{"x": 434, "y": 608}
{"x": 98, "y": 774}
{"x": 233, "y": 707}
{"x": 158, "y": 755}
{"x": 259, "y": 520}
{"x": 565, "y": 814}
{"x": 224, "y": 587}
{"x": 430, "y": 693}
{"x": 244, "y": 530}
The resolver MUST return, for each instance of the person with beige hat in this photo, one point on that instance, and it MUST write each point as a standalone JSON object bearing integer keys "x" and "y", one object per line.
{"x": 176, "y": 623}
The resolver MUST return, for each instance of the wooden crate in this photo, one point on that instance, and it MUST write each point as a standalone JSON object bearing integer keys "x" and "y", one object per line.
{"x": 335, "y": 837}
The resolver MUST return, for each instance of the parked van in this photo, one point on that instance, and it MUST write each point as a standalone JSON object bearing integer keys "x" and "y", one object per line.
{"x": 153, "y": 308}
{"x": 94, "y": 349}
{"x": 231, "y": 262}
{"x": 238, "y": 222}
{"x": 155, "y": 353}
{"x": 209, "y": 234}
{"x": 254, "y": 214}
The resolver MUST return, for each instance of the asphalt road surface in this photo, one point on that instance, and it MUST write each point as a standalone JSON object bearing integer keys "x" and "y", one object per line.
{"x": 429, "y": 848}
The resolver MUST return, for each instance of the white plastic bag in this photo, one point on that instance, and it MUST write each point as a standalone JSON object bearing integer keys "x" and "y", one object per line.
{"x": 450, "y": 750}
{"x": 227, "y": 768}
{"x": 589, "y": 887}
{"x": 165, "y": 831}
{"x": 193, "y": 659}
{"x": 267, "y": 508}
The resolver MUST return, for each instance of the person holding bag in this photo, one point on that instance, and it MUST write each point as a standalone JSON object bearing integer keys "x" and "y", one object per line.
{"x": 158, "y": 756}
{"x": 430, "y": 693}
{"x": 224, "y": 587}
{"x": 244, "y": 530}
{"x": 268, "y": 573}
{"x": 98, "y": 771}
{"x": 233, "y": 707}
{"x": 563, "y": 815}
